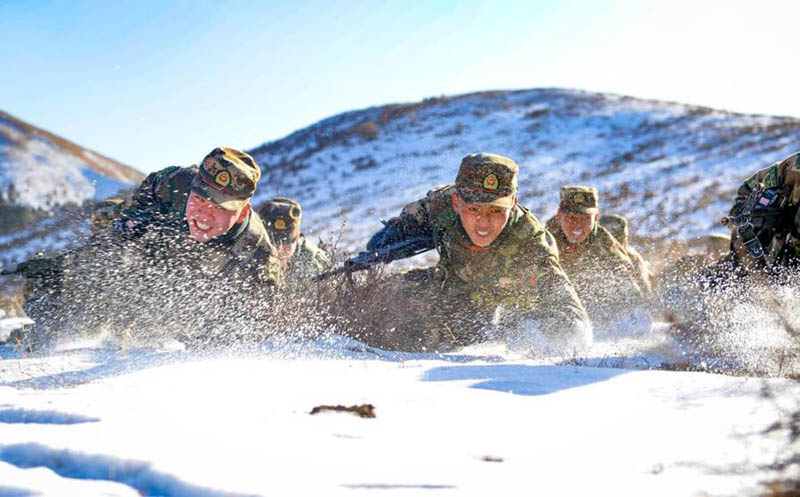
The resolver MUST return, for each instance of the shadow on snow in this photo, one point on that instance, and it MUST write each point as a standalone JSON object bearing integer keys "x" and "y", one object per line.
{"x": 521, "y": 379}
{"x": 136, "y": 474}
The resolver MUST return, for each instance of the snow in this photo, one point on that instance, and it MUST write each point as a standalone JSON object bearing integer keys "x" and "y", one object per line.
{"x": 91, "y": 420}
{"x": 671, "y": 168}
{"x": 46, "y": 176}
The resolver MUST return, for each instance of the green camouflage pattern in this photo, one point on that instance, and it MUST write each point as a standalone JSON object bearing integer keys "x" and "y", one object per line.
{"x": 160, "y": 202}
{"x": 307, "y": 261}
{"x": 579, "y": 199}
{"x": 519, "y": 271}
{"x": 487, "y": 179}
{"x": 227, "y": 177}
{"x": 617, "y": 225}
{"x": 782, "y": 173}
{"x": 602, "y": 273}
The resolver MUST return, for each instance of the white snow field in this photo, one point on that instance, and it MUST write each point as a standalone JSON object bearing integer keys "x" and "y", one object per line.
{"x": 91, "y": 420}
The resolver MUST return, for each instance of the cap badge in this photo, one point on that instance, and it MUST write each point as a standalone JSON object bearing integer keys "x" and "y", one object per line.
{"x": 280, "y": 224}
{"x": 223, "y": 178}
{"x": 579, "y": 198}
{"x": 490, "y": 182}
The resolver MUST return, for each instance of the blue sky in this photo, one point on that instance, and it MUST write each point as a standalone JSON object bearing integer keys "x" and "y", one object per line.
{"x": 155, "y": 83}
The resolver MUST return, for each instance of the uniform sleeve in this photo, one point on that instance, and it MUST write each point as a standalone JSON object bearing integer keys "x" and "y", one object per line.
{"x": 768, "y": 176}
{"x": 417, "y": 220}
{"x": 557, "y": 309}
{"x": 621, "y": 273}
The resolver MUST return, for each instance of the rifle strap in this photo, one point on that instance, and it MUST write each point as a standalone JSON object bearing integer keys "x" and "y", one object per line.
{"x": 751, "y": 242}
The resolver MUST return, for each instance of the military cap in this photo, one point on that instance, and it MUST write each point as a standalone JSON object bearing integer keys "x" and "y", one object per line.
{"x": 579, "y": 199}
{"x": 487, "y": 179}
{"x": 227, "y": 177}
{"x": 282, "y": 217}
{"x": 616, "y": 225}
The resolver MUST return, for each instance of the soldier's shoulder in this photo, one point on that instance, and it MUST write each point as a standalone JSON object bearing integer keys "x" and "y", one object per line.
{"x": 312, "y": 251}
{"x": 171, "y": 180}
{"x": 530, "y": 233}
{"x": 435, "y": 208}
{"x": 605, "y": 239}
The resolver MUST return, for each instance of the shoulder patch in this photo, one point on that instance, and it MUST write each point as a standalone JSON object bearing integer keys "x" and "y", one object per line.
{"x": 771, "y": 178}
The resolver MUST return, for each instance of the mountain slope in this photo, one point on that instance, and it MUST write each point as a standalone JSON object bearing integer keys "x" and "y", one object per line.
{"x": 44, "y": 182}
{"x": 672, "y": 168}
{"x": 41, "y": 170}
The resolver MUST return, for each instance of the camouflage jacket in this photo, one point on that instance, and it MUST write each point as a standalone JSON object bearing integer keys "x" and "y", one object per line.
{"x": 307, "y": 261}
{"x": 519, "y": 270}
{"x": 600, "y": 269}
{"x": 783, "y": 246}
{"x": 157, "y": 214}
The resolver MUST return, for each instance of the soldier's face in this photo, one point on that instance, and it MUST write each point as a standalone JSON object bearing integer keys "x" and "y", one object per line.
{"x": 483, "y": 223}
{"x": 207, "y": 220}
{"x": 576, "y": 226}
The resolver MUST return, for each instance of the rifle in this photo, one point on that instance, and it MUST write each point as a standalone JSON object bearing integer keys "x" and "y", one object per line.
{"x": 401, "y": 249}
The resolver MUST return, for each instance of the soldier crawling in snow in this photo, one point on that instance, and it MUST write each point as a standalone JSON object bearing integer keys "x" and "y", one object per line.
{"x": 764, "y": 219}
{"x": 598, "y": 266}
{"x": 300, "y": 258}
{"x": 617, "y": 225}
{"x": 189, "y": 233}
{"x": 497, "y": 264}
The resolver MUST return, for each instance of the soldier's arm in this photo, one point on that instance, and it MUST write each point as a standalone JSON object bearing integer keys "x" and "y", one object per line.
{"x": 780, "y": 173}
{"x": 622, "y": 272}
{"x": 558, "y": 309}
{"x": 413, "y": 221}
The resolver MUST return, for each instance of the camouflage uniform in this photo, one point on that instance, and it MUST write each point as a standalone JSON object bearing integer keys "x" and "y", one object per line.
{"x": 283, "y": 217}
{"x": 519, "y": 272}
{"x": 618, "y": 227}
{"x": 146, "y": 270}
{"x": 158, "y": 213}
{"x": 782, "y": 245}
{"x": 600, "y": 269}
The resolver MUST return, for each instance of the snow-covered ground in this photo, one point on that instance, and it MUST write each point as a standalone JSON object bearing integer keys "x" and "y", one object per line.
{"x": 91, "y": 420}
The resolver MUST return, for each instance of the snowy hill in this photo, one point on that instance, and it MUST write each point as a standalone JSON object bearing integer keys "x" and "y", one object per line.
{"x": 41, "y": 170}
{"x": 671, "y": 168}
{"x": 44, "y": 179}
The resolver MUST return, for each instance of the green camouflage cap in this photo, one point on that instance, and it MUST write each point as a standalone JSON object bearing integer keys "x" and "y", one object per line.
{"x": 579, "y": 199}
{"x": 616, "y": 225}
{"x": 282, "y": 217}
{"x": 227, "y": 177}
{"x": 487, "y": 179}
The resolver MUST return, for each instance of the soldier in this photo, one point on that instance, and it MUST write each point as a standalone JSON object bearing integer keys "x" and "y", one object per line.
{"x": 597, "y": 264}
{"x": 189, "y": 234}
{"x": 618, "y": 227}
{"x": 770, "y": 234}
{"x": 208, "y": 205}
{"x": 495, "y": 260}
{"x": 300, "y": 258}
